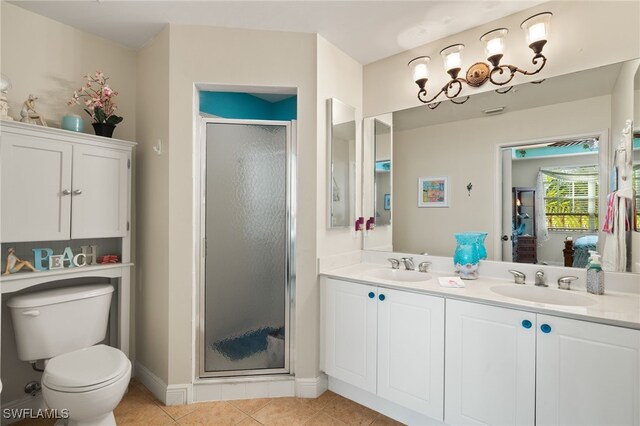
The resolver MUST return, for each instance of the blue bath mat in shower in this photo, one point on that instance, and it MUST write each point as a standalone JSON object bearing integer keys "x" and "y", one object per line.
{"x": 251, "y": 342}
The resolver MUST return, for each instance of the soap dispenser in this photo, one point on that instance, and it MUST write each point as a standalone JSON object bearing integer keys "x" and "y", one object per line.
{"x": 595, "y": 275}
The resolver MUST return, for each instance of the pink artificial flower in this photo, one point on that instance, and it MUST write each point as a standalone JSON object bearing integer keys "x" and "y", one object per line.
{"x": 107, "y": 92}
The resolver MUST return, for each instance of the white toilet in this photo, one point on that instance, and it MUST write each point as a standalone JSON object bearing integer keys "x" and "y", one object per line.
{"x": 61, "y": 326}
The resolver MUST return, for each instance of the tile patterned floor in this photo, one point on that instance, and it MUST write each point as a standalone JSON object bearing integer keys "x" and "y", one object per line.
{"x": 139, "y": 407}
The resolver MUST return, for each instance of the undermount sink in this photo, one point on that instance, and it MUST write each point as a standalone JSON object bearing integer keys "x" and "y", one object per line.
{"x": 543, "y": 295}
{"x": 399, "y": 275}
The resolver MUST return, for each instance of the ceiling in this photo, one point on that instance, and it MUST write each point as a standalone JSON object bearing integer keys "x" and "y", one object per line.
{"x": 365, "y": 30}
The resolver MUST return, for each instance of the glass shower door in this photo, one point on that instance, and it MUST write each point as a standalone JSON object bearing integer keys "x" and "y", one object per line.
{"x": 247, "y": 242}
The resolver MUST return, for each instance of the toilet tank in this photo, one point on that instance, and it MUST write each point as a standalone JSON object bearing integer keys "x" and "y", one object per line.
{"x": 52, "y": 322}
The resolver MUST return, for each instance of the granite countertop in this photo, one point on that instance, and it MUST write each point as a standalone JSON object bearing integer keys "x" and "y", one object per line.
{"x": 613, "y": 308}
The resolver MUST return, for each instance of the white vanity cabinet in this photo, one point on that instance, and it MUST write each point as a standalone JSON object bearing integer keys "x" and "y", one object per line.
{"x": 586, "y": 373}
{"x": 491, "y": 365}
{"x": 506, "y": 366}
{"x": 59, "y": 185}
{"x": 387, "y": 342}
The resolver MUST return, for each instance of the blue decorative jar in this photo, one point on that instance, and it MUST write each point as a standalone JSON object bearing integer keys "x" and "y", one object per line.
{"x": 466, "y": 258}
{"x": 482, "y": 250}
{"x": 72, "y": 122}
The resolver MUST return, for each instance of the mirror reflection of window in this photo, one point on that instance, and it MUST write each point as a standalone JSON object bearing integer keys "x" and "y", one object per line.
{"x": 636, "y": 178}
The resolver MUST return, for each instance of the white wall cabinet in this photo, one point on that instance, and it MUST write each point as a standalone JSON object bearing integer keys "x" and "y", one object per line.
{"x": 506, "y": 366}
{"x": 58, "y": 185}
{"x": 387, "y": 342}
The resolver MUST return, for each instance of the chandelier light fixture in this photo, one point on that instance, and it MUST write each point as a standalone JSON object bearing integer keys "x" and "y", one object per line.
{"x": 536, "y": 29}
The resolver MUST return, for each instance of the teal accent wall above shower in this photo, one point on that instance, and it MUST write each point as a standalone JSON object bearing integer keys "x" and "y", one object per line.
{"x": 247, "y": 107}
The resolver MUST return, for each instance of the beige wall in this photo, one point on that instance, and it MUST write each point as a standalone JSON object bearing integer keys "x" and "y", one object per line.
{"x": 48, "y": 59}
{"x": 584, "y": 35}
{"x": 466, "y": 151}
{"x": 338, "y": 76}
{"x": 239, "y": 57}
{"x": 152, "y": 218}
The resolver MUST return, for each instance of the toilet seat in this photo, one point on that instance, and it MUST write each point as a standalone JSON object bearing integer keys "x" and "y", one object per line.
{"x": 85, "y": 369}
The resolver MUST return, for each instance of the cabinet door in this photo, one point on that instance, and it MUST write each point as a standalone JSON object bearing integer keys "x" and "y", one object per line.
{"x": 350, "y": 333}
{"x": 36, "y": 180}
{"x": 587, "y": 373}
{"x": 490, "y": 365}
{"x": 100, "y": 192}
{"x": 411, "y": 351}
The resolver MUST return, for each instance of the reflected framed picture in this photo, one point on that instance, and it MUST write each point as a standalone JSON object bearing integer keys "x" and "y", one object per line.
{"x": 387, "y": 201}
{"x": 433, "y": 191}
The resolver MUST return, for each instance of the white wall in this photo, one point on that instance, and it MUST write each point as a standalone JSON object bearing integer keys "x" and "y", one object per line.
{"x": 466, "y": 151}
{"x": 584, "y": 35}
{"x": 152, "y": 220}
{"x": 49, "y": 59}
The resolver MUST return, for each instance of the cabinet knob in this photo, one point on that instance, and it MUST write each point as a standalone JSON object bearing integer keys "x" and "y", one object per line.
{"x": 371, "y": 295}
{"x": 66, "y": 192}
{"x": 545, "y": 328}
{"x": 381, "y": 297}
{"x": 77, "y": 191}
{"x": 526, "y": 323}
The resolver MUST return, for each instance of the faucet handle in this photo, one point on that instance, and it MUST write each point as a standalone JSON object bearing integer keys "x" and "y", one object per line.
{"x": 518, "y": 277}
{"x": 424, "y": 266}
{"x": 564, "y": 283}
{"x": 395, "y": 263}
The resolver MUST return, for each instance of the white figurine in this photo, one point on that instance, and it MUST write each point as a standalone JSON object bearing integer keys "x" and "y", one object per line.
{"x": 29, "y": 113}
{"x": 5, "y": 85}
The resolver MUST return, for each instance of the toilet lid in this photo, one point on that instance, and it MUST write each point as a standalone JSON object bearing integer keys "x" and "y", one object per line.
{"x": 85, "y": 368}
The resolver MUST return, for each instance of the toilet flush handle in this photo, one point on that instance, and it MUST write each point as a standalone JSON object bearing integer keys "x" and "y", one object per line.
{"x": 33, "y": 313}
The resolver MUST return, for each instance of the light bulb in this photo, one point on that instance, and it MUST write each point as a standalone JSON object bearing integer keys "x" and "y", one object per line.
{"x": 452, "y": 59}
{"x": 420, "y": 70}
{"x": 494, "y": 45}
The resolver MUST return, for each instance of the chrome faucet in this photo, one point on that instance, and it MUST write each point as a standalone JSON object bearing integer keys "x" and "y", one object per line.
{"x": 541, "y": 280}
{"x": 564, "y": 283}
{"x": 518, "y": 277}
{"x": 395, "y": 263}
{"x": 408, "y": 263}
{"x": 424, "y": 266}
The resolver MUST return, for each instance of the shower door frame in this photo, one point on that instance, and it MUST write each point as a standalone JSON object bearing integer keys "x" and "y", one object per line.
{"x": 290, "y": 270}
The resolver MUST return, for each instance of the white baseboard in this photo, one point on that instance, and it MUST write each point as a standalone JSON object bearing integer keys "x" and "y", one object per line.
{"x": 230, "y": 388}
{"x": 312, "y": 388}
{"x": 152, "y": 382}
{"x": 386, "y": 407}
{"x": 179, "y": 394}
{"x": 226, "y": 389}
{"x": 27, "y": 403}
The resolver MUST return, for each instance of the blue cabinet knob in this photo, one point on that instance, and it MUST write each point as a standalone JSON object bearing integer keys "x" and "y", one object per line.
{"x": 545, "y": 328}
{"x": 526, "y": 323}
{"x": 371, "y": 295}
{"x": 381, "y": 297}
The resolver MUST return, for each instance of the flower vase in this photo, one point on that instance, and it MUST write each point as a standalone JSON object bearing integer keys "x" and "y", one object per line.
{"x": 103, "y": 129}
{"x": 466, "y": 258}
{"x": 482, "y": 250}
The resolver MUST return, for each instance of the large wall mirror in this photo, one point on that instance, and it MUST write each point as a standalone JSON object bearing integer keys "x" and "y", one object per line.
{"x": 530, "y": 166}
{"x": 341, "y": 188}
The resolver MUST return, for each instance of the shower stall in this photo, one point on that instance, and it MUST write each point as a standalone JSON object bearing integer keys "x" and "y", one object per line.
{"x": 247, "y": 274}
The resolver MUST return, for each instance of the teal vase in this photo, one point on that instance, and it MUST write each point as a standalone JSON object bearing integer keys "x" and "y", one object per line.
{"x": 482, "y": 250}
{"x": 466, "y": 258}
